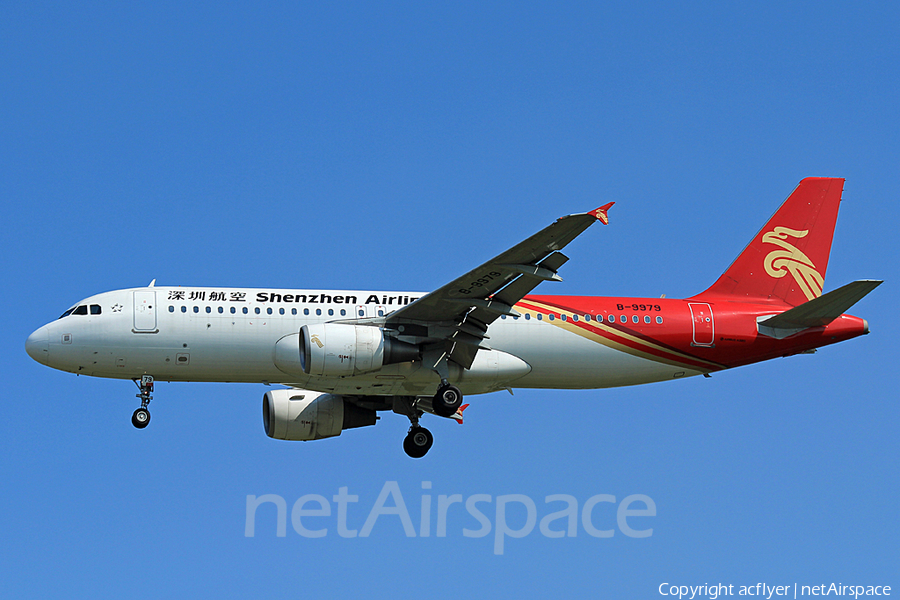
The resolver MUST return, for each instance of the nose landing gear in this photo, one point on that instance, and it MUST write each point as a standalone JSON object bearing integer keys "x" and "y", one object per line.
{"x": 141, "y": 417}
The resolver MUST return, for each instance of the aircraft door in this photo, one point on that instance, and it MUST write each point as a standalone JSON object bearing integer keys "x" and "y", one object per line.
{"x": 704, "y": 326}
{"x": 145, "y": 312}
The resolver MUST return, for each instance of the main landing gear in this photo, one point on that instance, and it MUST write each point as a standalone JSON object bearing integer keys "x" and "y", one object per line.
{"x": 445, "y": 403}
{"x": 141, "y": 417}
{"x": 417, "y": 442}
{"x": 447, "y": 400}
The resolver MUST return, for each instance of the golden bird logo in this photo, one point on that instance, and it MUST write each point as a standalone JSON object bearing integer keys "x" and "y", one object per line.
{"x": 791, "y": 260}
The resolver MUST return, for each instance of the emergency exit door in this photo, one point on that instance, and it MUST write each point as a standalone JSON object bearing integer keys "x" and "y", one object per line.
{"x": 704, "y": 326}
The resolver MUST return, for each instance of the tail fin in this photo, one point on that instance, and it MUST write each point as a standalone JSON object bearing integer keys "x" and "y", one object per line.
{"x": 787, "y": 259}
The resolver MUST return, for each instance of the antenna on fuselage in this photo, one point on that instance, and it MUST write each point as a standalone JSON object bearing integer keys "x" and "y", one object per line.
{"x": 152, "y": 283}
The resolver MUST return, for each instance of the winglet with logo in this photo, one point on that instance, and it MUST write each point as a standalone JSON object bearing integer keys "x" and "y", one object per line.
{"x": 458, "y": 416}
{"x": 600, "y": 213}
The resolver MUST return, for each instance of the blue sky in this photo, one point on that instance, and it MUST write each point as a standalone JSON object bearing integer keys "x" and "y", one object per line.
{"x": 355, "y": 146}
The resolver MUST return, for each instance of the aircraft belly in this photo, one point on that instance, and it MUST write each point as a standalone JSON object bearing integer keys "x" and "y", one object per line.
{"x": 197, "y": 350}
{"x": 562, "y": 359}
{"x": 491, "y": 371}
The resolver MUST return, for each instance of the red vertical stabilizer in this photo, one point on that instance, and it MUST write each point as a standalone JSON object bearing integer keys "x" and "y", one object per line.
{"x": 787, "y": 259}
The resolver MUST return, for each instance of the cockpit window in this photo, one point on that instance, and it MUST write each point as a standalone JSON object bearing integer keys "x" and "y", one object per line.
{"x": 81, "y": 310}
{"x": 67, "y": 313}
{"x": 95, "y": 309}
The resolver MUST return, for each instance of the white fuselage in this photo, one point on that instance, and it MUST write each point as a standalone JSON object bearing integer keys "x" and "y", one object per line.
{"x": 249, "y": 335}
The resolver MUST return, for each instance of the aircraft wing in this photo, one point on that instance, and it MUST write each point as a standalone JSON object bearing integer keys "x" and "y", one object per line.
{"x": 456, "y": 315}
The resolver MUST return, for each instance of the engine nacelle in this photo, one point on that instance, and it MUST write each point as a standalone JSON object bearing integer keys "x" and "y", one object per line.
{"x": 336, "y": 349}
{"x": 304, "y": 415}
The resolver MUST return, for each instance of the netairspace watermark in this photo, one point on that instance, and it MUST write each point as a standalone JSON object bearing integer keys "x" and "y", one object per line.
{"x": 764, "y": 590}
{"x": 314, "y": 516}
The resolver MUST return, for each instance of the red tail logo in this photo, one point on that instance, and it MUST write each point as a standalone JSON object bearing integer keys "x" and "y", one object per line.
{"x": 801, "y": 231}
{"x": 791, "y": 260}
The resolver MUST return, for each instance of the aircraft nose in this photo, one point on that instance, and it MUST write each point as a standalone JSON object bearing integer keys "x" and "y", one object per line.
{"x": 38, "y": 345}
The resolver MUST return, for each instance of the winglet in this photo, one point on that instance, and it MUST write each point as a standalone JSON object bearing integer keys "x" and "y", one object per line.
{"x": 600, "y": 213}
{"x": 458, "y": 416}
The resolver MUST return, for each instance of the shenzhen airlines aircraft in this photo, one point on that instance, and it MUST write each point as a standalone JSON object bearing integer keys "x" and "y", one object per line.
{"x": 344, "y": 355}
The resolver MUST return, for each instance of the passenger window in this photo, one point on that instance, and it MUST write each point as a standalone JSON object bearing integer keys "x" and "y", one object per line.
{"x": 221, "y": 310}
{"x": 343, "y": 312}
{"x": 540, "y": 317}
{"x": 647, "y": 319}
{"x": 575, "y": 318}
{"x": 256, "y": 310}
{"x": 635, "y": 319}
{"x": 380, "y": 313}
{"x": 305, "y": 311}
{"x": 551, "y": 316}
{"x": 563, "y": 317}
{"x": 318, "y": 312}
{"x": 208, "y": 309}
{"x": 612, "y": 318}
{"x": 95, "y": 309}
{"x": 269, "y": 310}
{"x": 623, "y": 318}
{"x": 293, "y": 311}
{"x": 196, "y": 309}
{"x": 171, "y": 308}
{"x": 362, "y": 313}
{"x": 184, "y": 309}
{"x": 280, "y": 311}
{"x": 527, "y": 316}
{"x": 330, "y": 312}
{"x": 245, "y": 310}
{"x": 587, "y": 317}
{"x": 233, "y": 310}
{"x": 81, "y": 310}
{"x": 659, "y": 320}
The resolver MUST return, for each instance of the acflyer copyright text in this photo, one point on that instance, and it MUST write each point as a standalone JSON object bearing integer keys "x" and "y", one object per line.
{"x": 764, "y": 590}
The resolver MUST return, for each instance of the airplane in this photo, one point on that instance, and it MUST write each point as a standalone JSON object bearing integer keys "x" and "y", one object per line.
{"x": 343, "y": 356}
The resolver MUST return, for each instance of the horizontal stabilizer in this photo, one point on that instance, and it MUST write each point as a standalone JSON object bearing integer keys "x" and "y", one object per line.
{"x": 822, "y": 310}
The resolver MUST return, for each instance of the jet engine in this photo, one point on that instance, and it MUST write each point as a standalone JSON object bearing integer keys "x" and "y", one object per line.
{"x": 305, "y": 415}
{"x": 337, "y": 350}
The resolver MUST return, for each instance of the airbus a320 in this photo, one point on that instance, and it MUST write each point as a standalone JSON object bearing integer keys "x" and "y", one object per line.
{"x": 343, "y": 356}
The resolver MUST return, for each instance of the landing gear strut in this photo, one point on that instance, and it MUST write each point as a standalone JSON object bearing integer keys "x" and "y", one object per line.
{"x": 141, "y": 417}
{"x": 418, "y": 441}
{"x": 448, "y": 398}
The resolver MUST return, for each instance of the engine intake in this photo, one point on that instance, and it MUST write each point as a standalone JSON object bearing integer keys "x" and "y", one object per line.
{"x": 302, "y": 415}
{"x": 336, "y": 349}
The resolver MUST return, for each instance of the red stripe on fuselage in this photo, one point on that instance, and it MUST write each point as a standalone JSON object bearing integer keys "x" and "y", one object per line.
{"x": 643, "y": 345}
{"x": 737, "y": 339}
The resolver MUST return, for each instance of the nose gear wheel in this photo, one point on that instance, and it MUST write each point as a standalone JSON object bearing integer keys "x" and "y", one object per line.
{"x": 141, "y": 417}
